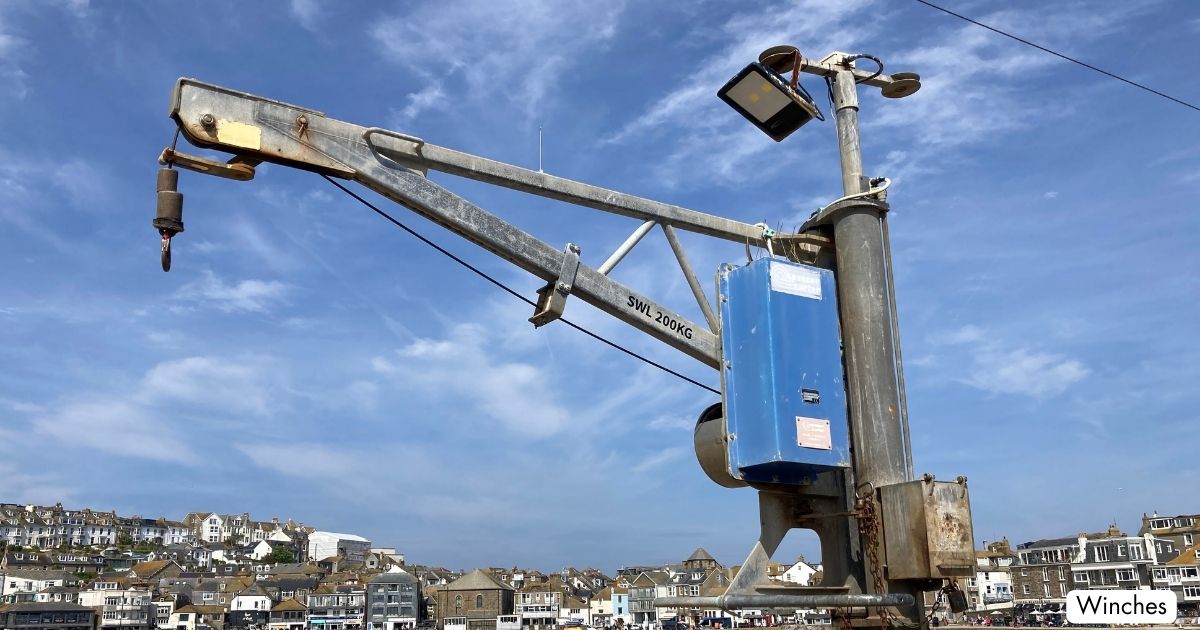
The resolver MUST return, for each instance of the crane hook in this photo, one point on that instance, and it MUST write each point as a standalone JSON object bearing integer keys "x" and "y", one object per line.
{"x": 169, "y": 218}
{"x": 166, "y": 250}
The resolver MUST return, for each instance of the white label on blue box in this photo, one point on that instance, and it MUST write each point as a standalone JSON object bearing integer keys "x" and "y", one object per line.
{"x": 813, "y": 433}
{"x": 796, "y": 281}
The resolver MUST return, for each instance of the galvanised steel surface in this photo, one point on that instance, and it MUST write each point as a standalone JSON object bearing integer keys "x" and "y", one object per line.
{"x": 873, "y": 390}
{"x": 880, "y": 450}
{"x": 785, "y": 399}
{"x": 272, "y": 131}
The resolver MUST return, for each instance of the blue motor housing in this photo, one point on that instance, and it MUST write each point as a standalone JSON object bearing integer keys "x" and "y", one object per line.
{"x": 784, "y": 387}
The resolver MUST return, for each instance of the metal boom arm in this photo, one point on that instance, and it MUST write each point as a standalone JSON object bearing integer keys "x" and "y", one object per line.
{"x": 260, "y": 129}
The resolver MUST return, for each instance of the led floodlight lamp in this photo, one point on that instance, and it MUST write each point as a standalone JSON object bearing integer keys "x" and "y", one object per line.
{"x": 764, "y": 98}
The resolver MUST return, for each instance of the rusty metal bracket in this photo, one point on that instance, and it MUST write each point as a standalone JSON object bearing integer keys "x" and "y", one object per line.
{"x": 237, "y": 168}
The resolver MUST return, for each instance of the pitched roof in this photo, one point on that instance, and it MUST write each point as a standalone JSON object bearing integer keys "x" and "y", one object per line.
{"x": 147, "y": 569}
{"x": 396, "y": 577}
{"x": 700, "y": 554}
{"x": 477, "y": 580}
{"x": 288, "y": 605}
{"x": 1191, "y": 555}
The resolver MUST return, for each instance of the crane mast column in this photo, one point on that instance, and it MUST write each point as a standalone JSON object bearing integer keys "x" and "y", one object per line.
{"x": 867, "y": 331}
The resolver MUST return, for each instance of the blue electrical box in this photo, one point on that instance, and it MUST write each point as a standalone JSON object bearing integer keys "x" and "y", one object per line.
{"x": 785, "y": 394}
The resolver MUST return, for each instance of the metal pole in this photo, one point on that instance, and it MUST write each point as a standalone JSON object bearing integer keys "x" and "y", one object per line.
{"x": 697, "y": 290}
{"x": 827, "y": 600}
{"x": 873, "y": 392}
{"x": 632, "y": 240}
{"x": 866, "y": 319}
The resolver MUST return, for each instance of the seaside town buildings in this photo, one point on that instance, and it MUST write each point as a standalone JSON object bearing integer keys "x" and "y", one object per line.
{"x": 65, "y": 569}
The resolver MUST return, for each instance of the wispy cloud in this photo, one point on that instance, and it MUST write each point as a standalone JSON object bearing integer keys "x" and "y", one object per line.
{"x": 426, "y": 98}
{"x": 673, "y": 423}
{"x": 689, "y": 106}
{"x": 998, "y": 367}
{"x": 524, "y": 45}
{"x": 13, "y": 80}
{"x": 155, "y": 418}
{"x": 254, "y": 296}
{"x": 515, "y": 393}
{"x": 307, "y": 12}
{"x": 307, "y": 460}
{"x": 117, "y": 427}
{"x": 661, "y": 458}
{"x": 19, "y": 485}
{"x": 239, "y": 386}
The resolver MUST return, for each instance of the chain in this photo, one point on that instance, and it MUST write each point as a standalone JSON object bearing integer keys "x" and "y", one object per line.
{"x": 868, "y": 528}
{"x": 845, "y": 619}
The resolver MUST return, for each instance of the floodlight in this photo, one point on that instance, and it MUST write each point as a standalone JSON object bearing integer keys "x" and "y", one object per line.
{"x": 763, "y": 97}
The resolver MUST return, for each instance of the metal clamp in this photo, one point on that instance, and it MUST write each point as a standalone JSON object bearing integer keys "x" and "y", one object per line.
{"x": 552, "y": 298}
{"x": 829, "y": 214}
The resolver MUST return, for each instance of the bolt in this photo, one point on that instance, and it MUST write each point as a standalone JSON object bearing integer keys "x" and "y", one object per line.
{"x": 302, "y": 120}
{"x": 208, "y": 121}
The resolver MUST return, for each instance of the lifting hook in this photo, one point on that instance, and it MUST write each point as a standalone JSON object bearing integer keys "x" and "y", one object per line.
{"x": 169, "y": 218}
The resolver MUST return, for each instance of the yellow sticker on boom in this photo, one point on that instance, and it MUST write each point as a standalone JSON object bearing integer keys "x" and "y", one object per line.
{"x": 239, "y": 134}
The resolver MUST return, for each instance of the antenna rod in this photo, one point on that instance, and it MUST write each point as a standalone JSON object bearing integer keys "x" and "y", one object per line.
{"x": 540, "y": 149}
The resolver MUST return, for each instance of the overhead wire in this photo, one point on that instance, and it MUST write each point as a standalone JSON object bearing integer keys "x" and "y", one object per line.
{"x": 482, "y": 274}
{"x": 1059, "y": 55}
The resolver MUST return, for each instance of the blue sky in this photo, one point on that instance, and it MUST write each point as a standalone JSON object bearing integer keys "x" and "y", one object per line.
{"x": 304, "y": 359}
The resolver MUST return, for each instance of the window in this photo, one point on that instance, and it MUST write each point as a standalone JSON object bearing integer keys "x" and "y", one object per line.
{"x": 1080, "y": 576}
{"x": 1191, "y": 591}
{"x": 1045, "y": 574}
{"x": 458, "y": 601}
{"x": 1120, "y": 551}
{"x": 1046, "y": 588}
{"x": 1062, "y": 573}
{"x": 1160, "y": 574}
{"x": 1101, "y": 554}
{"x": 1135, "y": 552}
{"x": 1126, "y": 575}
{"x": 1024, "y": 589}
{"x": 1187, "y": 540}
{"x": 1162, "y": 523}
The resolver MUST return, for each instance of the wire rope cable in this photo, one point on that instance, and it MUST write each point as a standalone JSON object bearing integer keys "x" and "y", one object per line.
{"x": 1059, "y": 55}
{"x": 482, "y": 274}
